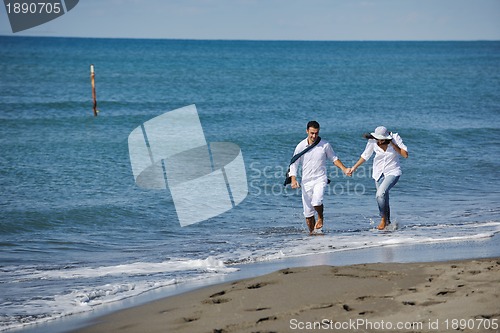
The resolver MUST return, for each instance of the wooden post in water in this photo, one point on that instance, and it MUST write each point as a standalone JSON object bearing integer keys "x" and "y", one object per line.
{"x": 92, "y": 80}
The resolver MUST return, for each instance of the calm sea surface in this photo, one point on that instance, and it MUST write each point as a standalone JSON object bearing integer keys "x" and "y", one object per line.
{"x": 77, "y": 233}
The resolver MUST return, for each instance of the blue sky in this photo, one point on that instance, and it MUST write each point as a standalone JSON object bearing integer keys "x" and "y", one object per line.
{"x": 276, "y": 20}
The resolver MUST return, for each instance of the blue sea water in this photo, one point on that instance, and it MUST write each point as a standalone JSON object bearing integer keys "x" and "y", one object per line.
{"x": 76, "y": 232}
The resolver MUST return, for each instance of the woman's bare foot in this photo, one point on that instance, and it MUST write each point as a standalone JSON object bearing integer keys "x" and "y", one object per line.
{"x": 382, "y": 224}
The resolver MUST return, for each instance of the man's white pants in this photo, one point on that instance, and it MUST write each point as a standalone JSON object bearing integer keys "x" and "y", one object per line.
{"x": 312, "y": 195}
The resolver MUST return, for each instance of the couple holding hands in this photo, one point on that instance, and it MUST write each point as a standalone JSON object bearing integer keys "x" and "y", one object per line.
{"x": 313, "y": 152}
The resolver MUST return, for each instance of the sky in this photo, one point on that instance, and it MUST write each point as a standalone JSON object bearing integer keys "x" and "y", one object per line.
{"x": 275, "y": 20}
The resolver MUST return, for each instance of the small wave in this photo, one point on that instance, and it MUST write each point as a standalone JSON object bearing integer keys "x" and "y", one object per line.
{"x": 369, "y": 238}
{"x": 145, "y": 277}
{"x": 134, "y": 269}
{"x": 83, "y": 298}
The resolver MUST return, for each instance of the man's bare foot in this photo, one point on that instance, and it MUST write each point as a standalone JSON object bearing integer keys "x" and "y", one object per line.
{"x": 319, "y": 224}
{"x": 310, "y": 221}
{"x": 319, "y": 210}
{"x": 382, "y": 224}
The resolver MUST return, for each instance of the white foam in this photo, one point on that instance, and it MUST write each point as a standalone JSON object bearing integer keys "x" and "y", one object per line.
{"x": 134, "y": 269}
{"x": 84, "y": 299}
{"x": 413, "y": 235}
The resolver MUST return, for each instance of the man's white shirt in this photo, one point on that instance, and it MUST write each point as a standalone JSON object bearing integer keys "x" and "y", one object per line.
{"x": 314, "y": 161}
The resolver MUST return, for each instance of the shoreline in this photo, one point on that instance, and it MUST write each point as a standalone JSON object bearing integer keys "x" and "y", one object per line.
{"x": 402, "y": 297}
{"x": 407, "y": 254}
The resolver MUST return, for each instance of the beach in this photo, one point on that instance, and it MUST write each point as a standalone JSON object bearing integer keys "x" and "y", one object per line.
{"x": 80, "y": 238}
{"x": 450, "y": 296}
{"x": 425, "y": 288}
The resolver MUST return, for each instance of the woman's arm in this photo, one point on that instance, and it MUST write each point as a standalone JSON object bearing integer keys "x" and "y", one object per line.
{"x": 398, "y": 145}
{"x": 400, "y": 151}
{"x": 365, "y": 156}
{"x": 358, "y": 163}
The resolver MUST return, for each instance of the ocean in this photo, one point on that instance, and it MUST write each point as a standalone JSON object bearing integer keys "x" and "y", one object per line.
{"x": 77, "y": 233}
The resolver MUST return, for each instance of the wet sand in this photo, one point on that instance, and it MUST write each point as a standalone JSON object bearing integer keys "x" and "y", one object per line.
{"x": 381, "y": 297}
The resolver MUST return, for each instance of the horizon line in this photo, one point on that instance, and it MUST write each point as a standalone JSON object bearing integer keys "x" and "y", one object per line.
{"x": 259, "y": 40}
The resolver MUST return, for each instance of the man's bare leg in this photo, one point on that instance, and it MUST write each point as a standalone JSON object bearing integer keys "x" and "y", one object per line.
{"x": 310, "y": 221}
{"x": 319, "y": 210}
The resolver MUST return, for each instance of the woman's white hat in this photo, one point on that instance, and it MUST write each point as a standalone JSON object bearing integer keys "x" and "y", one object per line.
{"x": 381, "y": 133}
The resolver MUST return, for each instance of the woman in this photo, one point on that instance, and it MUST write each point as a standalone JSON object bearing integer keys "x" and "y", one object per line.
{"x": 386, "y": 168}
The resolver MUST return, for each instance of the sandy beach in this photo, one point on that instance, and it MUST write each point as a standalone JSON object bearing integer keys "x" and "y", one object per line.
{"x": 382, "y": 297}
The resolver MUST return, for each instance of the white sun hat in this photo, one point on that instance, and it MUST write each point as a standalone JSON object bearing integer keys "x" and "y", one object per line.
{"x": 381, "y": 133}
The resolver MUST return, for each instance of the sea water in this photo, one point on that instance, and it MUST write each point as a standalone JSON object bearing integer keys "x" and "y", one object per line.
{"x": 76, "y": 233}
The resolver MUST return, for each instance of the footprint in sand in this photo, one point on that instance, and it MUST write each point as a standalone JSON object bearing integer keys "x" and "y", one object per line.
{"x": 216, "y": 301}
{"x": 266, "y": 319}
{"x": 220, "y": 293}
{"x": 445, "y": 292}
{"x": 258, "y": 309}
{"x": 257, "y": 285}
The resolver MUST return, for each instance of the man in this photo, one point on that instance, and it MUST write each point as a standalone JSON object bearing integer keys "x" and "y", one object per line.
{"x": 314, "y": 175}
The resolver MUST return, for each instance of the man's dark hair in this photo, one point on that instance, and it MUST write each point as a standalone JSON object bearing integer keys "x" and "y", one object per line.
{"x": 313, "y": 124}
